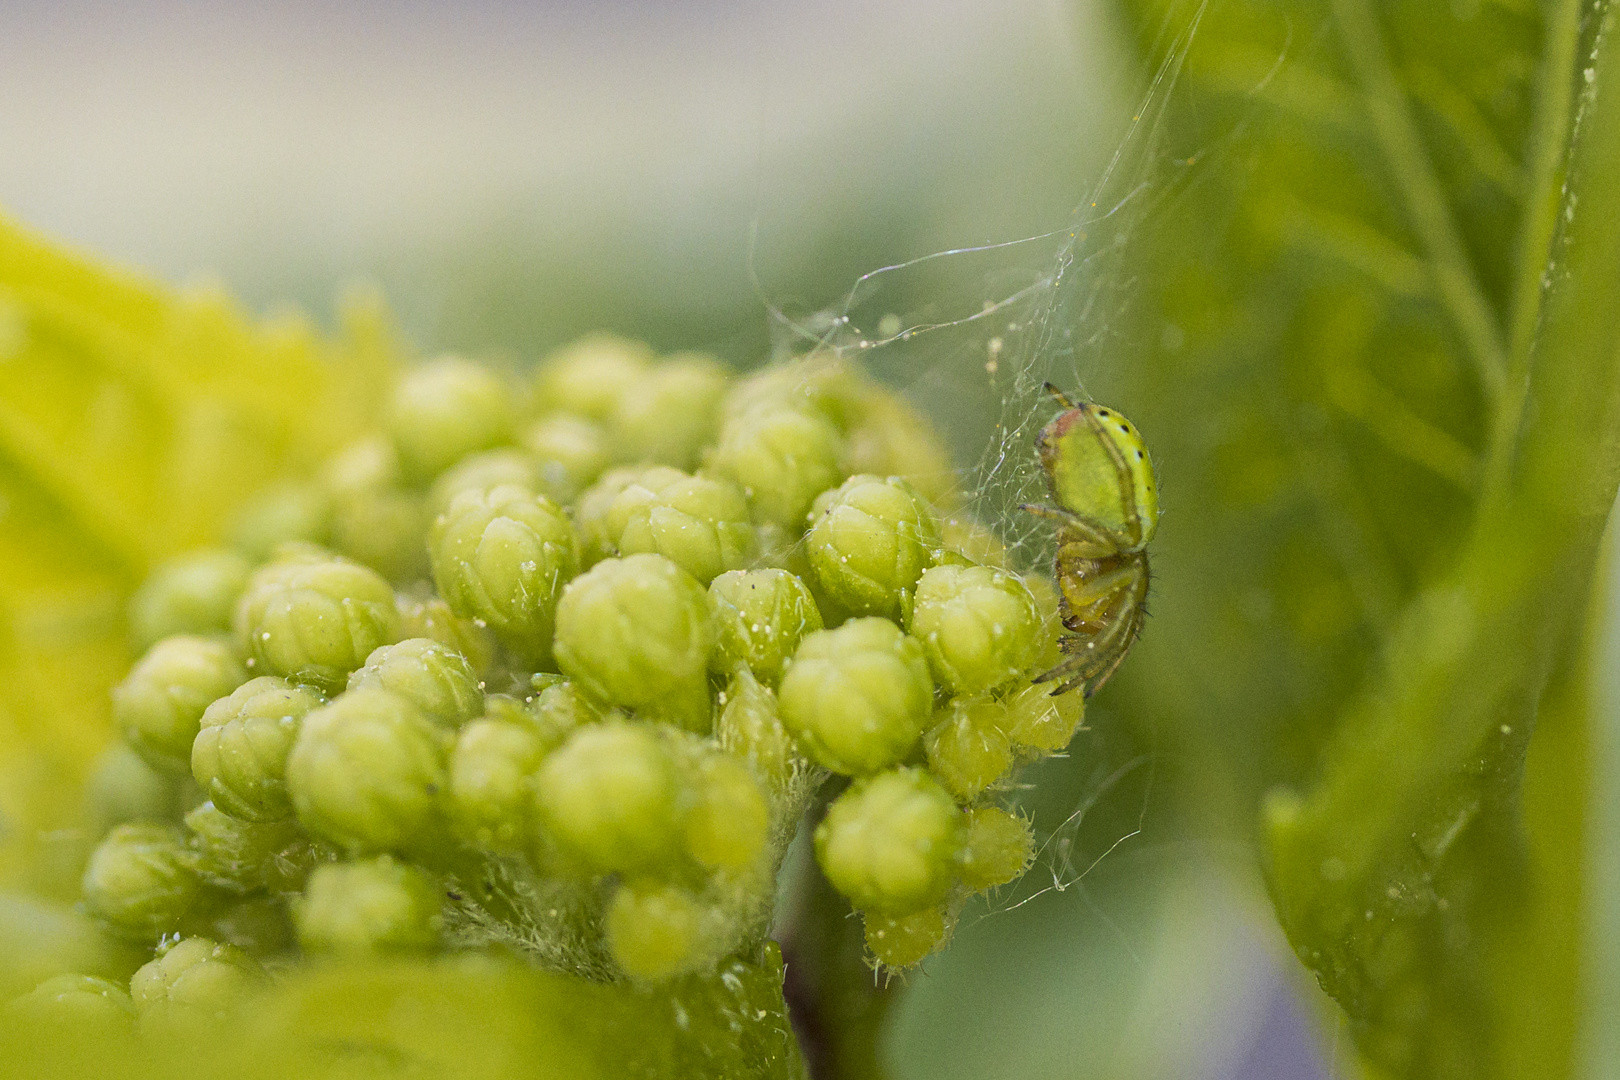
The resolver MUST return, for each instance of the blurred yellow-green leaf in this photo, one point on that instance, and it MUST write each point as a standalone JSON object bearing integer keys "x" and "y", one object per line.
{"x": 458, "y": 1016}
{"x": 134, "y": 418}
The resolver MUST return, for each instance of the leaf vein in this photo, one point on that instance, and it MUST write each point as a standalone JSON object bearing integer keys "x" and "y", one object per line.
{"x": 1424, "y": 199}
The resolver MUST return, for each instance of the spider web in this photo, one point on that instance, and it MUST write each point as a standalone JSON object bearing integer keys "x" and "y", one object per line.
{"x": 998, "y": 322}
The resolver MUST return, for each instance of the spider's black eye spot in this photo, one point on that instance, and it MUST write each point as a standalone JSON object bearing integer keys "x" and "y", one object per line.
{"x": 1102, "y": 412}
{"x": 1139, "y": 455}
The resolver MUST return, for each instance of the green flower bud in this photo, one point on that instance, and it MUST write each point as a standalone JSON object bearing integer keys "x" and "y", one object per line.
{"x": 436, "y": 679}
{"x": 750, "y": 728}
{"x": 282, "y": 514}
{"x": 374, "y": 519}
{"x": 980, "y": 626}
{"x": 315, "y": 620}
{"x": 443, "y": 411}
{"x": 193, "y": 983}
{"x": 432, "y": 618}
{"x": 668, "y": 416}
{"x": 699, "y": 523}
{"x": 781, "y": 549}
{"x": 259, "y": 924}
{"x": 782, "y": 459}
{"x": 74, "y": 1006}
{"x": 727, "y": 824}
{"x": 816, "y": 384}
{"x": 558, "y": 706}
{"x": 607, "y": 798}
{"x": 997, "y": 848}
{"x": 890, "y": 842}
{"x": 569, "y": 454}
{"x": 899, "y": 941}
{"x": 369, "y": 905}
{"x": 366, "y": 771}
{"x": 366, "y": 464}
{"x": 857, "y": 697}
{"x": 295, "y": 552}
{"x": 503, "y": 556}
{"x": 760, "y": 617}
{"x": 385, "y": 530}
{"x": 870, "y": 542}
{"x": 589, "y": 376}
{"x": 123, "y": 787}
{"x": 491, "y": 791}
{"x": 244, "y": 856}
{"x": 598, "y": 538}
{"x": 891, "y": 438}
{"x": 636, "y": 632}
{"x": 654, "y": 930}
{"x": 141, "y": 880}
{"x": 509, "y": 709}
{"x": 159, "y": 704}
{"x": 239, "y": 757}
{"x": 966, "y": 542}
{"x": 967, "y": 746}
{"x": 193, "y": 594}
{"x": 1047, "y": 603}
{"x": 1038, "y": 720}
{"x": 481, "y": 472}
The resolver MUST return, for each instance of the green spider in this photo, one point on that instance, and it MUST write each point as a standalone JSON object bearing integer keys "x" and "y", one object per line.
{"x": 1107, "y": 510}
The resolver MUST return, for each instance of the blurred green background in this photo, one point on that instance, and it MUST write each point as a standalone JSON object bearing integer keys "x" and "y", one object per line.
{"x": 513, "y": 175}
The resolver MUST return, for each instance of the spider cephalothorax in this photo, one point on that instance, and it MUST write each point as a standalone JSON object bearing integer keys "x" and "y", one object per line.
{"x": 1107, "y": 509}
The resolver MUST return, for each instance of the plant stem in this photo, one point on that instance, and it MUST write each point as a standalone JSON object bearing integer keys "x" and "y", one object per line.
{"x": 1598, "y": 1053}
{"x": 1549, "y": 153}
{"x": 837, "y": 1003}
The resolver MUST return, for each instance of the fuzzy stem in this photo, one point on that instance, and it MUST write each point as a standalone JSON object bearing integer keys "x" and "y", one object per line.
{"x": 838, "y": 1005}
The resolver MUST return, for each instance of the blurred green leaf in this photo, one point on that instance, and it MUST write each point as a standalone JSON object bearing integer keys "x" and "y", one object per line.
{"x": 459, "y": 1016}
{"x": 1377, "y": 371}
{"x": 133, "y": 419}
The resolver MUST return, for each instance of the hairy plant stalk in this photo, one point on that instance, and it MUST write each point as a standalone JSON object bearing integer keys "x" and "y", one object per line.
{"x": 837, "y": 1003}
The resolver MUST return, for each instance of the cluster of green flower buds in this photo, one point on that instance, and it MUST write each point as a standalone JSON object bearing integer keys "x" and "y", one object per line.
{"x": 560, "y": 666}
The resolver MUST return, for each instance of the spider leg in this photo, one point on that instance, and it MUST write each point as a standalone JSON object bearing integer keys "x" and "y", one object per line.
{"x": 1106, "y": 540}
{"x": 1062, "y": 398}
{"x": 1072, "y": 684}
{"x": 1095, "y": 659}
{"x": 1100, "y": 678}
{"x": 1099, "y": 650}
{"x": 1092, "y": 529}
{"x": 1135, "y": 620}
{"x": 1075, "y": 656}
{"x": 1100, "y": 586}
{"x": 1043, "y": 511}
{"x": 1081, "y": 655}
{"x": 1063, "y": 668}
{"x": 1069, "y": 517}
